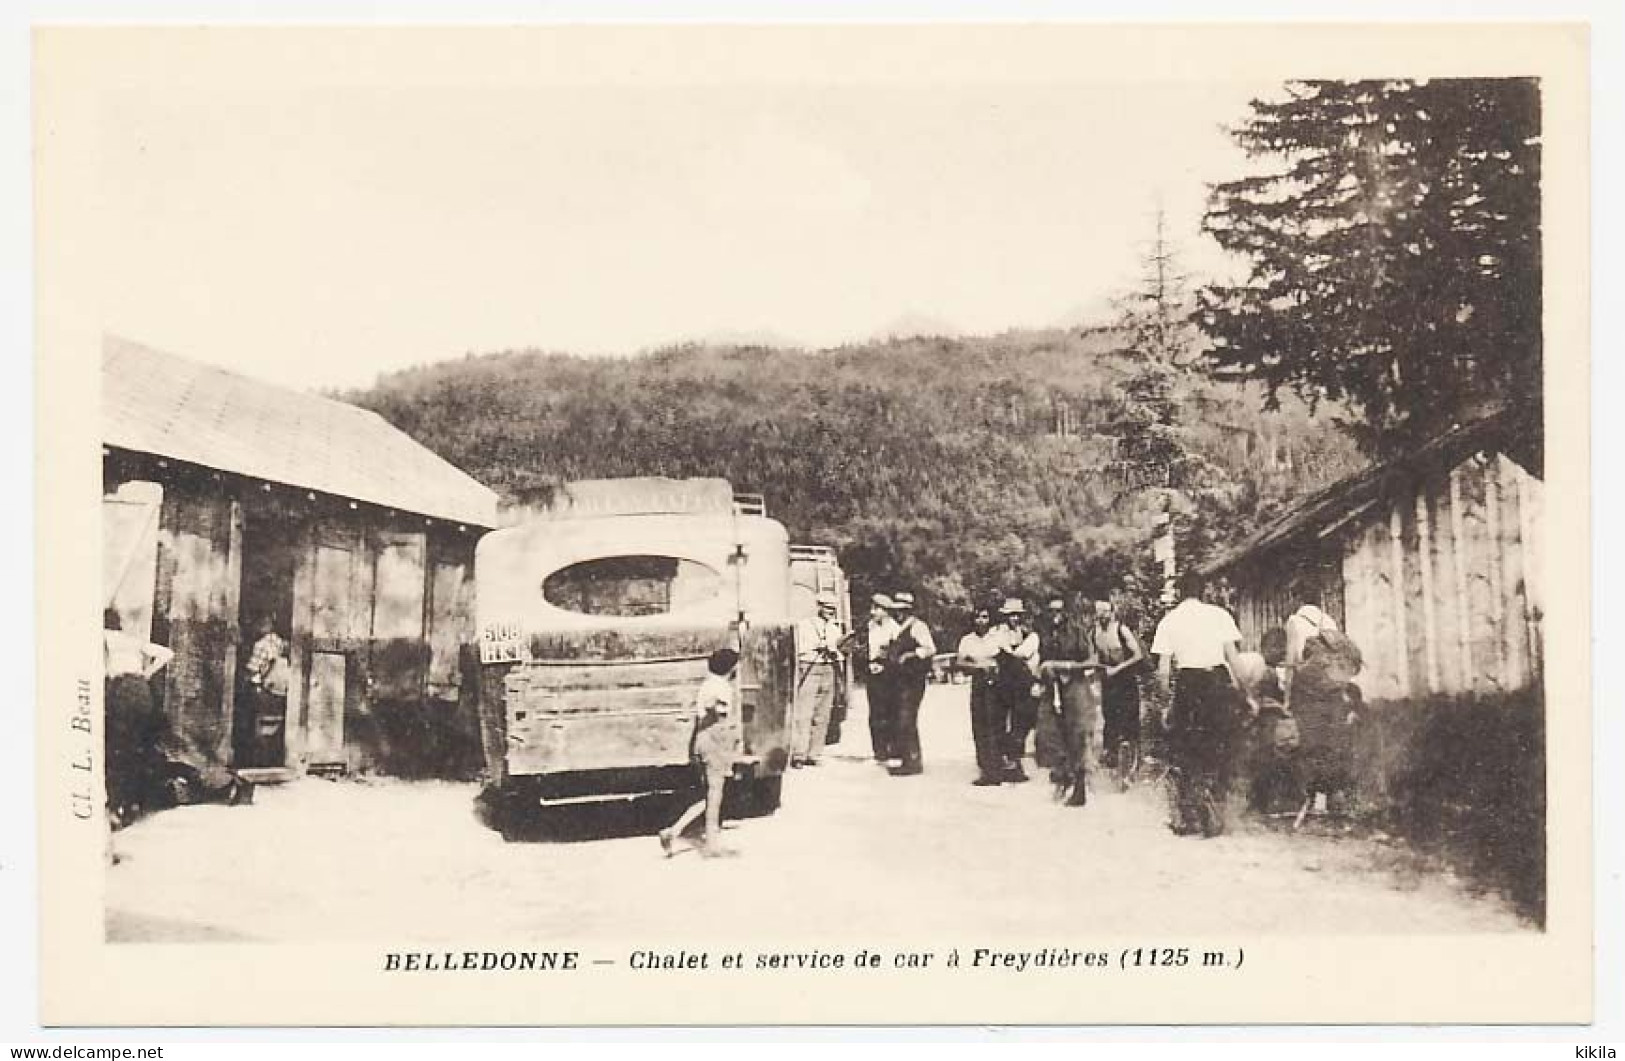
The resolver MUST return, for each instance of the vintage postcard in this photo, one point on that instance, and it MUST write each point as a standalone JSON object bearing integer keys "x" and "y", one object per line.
{"x": 821, "y": 524}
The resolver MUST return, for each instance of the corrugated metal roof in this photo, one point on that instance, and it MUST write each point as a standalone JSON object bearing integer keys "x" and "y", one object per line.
{"x": 157, "y": 403}
{"x": 1327, "y": 507}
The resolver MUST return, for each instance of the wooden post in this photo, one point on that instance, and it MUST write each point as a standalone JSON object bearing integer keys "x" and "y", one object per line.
{"x": 1356, "y": 612}
{"x": 231, "y": 613}
{"x": 299, "y": 633}
{"x": 1529, "y": 547}
{"x": 1514, "y": 577}
{"x": 1402, "y": 640}
{"x": 1498, "y": 623}
{"x": 1458, "y": 554}
{"x": 1424, "y": 550}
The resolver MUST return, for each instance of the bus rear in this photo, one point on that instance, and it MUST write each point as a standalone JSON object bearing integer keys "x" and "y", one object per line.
{"x": 595, "y": 618}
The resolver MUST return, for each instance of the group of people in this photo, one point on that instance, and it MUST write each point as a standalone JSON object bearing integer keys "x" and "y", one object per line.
{"x": 1286, "y": 716}
{"x": 1068, "y": 679}
{"x": 901, "y": 653}
{"x": 147, "y": 767}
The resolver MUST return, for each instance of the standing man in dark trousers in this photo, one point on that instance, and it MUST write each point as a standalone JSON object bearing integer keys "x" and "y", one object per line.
{"x": 978, "y": 657}
{"x": 1054, "y": 627}
{"x": 881, "y": 685}
{"x": 912, "y": 650}
{"x": 1018, "y": 685}
{"x": 1071, "y": 701}
{"x": 1120, "y": 656}
{"x": 1201, "y": 643}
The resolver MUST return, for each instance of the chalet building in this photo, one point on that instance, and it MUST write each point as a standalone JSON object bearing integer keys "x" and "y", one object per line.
{"x": 1431, "y": 563}
{"x": 228, "y": 502}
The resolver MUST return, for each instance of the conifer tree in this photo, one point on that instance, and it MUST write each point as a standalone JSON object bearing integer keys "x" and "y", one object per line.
{"x": 1393, "y": 239}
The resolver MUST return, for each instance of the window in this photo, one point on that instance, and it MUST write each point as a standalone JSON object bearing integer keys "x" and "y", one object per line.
{"x": 631, "y": 585}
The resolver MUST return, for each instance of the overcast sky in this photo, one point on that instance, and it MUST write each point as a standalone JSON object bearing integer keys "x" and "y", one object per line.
{"x": 318, "y": 231}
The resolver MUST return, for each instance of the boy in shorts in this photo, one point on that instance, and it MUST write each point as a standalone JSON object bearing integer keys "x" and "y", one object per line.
{"x": 716, "y": 744}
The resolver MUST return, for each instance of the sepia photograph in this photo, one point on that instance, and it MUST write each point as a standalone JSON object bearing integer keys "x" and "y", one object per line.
{"x": 612, "y": 502}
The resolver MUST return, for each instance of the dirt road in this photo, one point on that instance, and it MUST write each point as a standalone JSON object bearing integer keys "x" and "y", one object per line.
{"x": 852, "y": 852}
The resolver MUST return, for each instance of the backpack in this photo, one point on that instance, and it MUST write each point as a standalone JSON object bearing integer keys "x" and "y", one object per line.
{"x": 1342, "y": 654}
{"x": 1124, "y": 636}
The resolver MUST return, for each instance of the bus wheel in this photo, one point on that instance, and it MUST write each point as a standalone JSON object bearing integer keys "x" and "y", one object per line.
{"x": 510, "y": 809}
{"x": 770, "y": 793}
{"x": 756, "y": 798}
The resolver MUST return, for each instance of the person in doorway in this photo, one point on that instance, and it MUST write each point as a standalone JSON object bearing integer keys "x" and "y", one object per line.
{"x": 267, "y": 673}
{"x": 881, "y": 683}
{"x": 978, "y": 657}
{"x": 1120, "y": 656}
{"x": 911, "y": 653}
{"x": 818, "y": 658}
{"x": 134, "y": 730}
{"x": 717, "y": 740}
{"x": 1019, "y": 686}
{"x": 1198, "y": 642}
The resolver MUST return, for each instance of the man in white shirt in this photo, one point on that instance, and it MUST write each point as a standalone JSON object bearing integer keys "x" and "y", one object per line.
{"x": 978, "y": 656}
{"x": 1201, "y": 643}
{"x": 818, "y": 655}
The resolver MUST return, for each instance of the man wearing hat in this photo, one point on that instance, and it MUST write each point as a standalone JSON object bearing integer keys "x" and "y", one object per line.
{"x": 818, "y": 656}
{"x": 881, "y": 686}
{"x": 911, "y": 653}
{"x": 1018, "y": 684}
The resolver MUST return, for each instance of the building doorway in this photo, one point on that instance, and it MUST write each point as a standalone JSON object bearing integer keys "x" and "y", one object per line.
{"x": 270, "y": 550}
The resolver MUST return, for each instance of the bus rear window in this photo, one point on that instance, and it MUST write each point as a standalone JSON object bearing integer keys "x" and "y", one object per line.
{"x": 631, "y": 585}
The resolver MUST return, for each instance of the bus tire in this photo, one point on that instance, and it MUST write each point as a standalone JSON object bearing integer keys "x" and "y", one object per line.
{"x": 509, "y": 810}
{"x": 756, "y": 798}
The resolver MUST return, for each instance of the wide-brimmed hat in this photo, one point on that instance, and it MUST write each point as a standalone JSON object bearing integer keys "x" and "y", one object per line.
{"x": 1013, "y": 606}
{"x": 904, "y": 599}
{"x": 825, "y": 599}
{"x": 880, "y": 600}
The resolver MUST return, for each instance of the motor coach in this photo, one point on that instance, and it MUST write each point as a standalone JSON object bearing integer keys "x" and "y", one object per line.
{"x": 595, "y": 615}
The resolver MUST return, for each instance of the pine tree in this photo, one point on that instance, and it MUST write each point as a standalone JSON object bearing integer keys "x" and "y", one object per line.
{"x": 1154, "y": 447}
{"x": 1394, "y": 245}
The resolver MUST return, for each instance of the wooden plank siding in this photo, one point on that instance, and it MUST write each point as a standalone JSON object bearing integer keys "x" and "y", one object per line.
{"x": 197, "y": 569}
{"x": 1438, "y": 582}
{"x": 378, "y": 607}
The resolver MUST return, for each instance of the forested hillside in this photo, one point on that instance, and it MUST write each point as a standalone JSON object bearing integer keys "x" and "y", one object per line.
{"x": 957, "y": 467}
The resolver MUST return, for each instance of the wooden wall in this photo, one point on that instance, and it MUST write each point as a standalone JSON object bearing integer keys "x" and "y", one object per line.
{"x": 1439, "y": 583}
{"x": 381, "y": 610}
{"x": 195, "y": 598}
{"x": 1264, "y": 595}
{"x": 382, "y": 604}
{"x": 1444, "y": 585}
